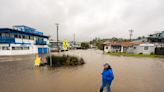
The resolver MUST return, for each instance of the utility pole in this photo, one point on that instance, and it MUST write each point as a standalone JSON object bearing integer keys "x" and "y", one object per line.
{"x": 57, "y": 29}
{"x": 74, "y": 39}
{"x": 131, "y": 34}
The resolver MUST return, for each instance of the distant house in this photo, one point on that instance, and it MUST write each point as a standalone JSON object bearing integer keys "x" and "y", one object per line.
{"x": 140, "y": 40}
{"x": 145, "y": 48}
{"x": 119, "y": 46}
{"x": 156, "y": 38}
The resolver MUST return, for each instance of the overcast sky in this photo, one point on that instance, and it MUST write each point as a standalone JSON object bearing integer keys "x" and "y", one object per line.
{"x": 86, "y": 18}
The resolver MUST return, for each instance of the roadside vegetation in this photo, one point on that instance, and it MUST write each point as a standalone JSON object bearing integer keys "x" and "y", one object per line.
{"x": 84, "y": 45}
{"x": 99, "y": 43}
{"x": 65, "y": 60}
{"x": 136, "y": 55}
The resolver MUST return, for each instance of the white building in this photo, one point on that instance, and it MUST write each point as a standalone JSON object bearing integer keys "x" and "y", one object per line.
{"x": 145, "y": 48}
{"x": 119, "y": 46}
{"x": 22, "y": 40}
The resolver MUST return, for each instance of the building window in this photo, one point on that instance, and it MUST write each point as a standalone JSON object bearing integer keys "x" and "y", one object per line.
{"x": 13, "y": 48}
{"x": 134, "y": 47}
{"x": 26, "y": 48}
{"x": 7, "y": 35}
{"x": 16, "y": 36}
{"x": 5, "y": 48}
{"x": 12, "y": 35}
{"x": 20, "y": 36}
{"x": 20, "y": 48}
{"x": 146, "y": 48}
{"x": 16, "y": 48}
{"x": 106, "y": 47}
{"x": 26, "y": 37}
{"x": 31, "y": 38}
{"x": 23, "y": 36}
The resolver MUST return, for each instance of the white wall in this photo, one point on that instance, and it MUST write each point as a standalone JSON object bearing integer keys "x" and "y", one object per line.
{"x": 107, "y": 49}
{"x": 33, "y": 49}
{"x": 18, "y": 40}
{"x": 140, "y": 49}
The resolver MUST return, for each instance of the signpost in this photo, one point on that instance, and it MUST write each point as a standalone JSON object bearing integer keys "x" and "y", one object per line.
{"x": 50, "y": 46}
{"x": 65, "y": 45}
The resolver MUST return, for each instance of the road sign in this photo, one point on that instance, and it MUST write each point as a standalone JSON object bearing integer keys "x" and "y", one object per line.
{"x": 50, "y": 45}
{"x": 65, "y": 44}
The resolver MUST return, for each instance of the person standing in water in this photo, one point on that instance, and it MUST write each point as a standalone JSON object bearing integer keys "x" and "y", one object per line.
{"x": 107, "y": 78}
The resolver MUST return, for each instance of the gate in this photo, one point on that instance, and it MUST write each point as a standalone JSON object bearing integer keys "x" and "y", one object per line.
{"x": 159, "y": 51}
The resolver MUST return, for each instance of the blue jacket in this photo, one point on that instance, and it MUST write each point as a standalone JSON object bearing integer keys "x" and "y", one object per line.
{"x": 107, "y": 76}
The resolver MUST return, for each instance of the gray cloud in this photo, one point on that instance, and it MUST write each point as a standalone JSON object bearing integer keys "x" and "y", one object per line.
{"x": 86, "y": 18}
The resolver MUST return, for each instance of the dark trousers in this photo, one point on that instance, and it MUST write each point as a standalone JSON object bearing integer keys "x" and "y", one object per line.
{"x": 107, "y": 86}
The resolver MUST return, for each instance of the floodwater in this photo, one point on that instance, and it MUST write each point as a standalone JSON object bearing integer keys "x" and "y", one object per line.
{"x": 131, "y": 75}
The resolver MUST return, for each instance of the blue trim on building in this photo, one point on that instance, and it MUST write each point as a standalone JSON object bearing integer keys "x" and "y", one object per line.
{"x": 7, "y": 40}
{"x": 27, "y": 29}
{"x": 18, "y": 30}
{"x": 22, "y": 43}
{"x": 9, "y": 30}
{"x": 41, "y": 43}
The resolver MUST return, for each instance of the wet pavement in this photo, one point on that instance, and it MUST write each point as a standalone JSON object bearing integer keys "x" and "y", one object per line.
{"x": 131, "y": 74}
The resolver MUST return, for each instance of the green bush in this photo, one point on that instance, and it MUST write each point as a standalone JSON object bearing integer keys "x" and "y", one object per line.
{"x": 65, "y": 60}
{"x": 140, "y": 53}
{"x": 84, "y": 45}
{"x": 100, "y": 46}
{"x": 152, "y": 53}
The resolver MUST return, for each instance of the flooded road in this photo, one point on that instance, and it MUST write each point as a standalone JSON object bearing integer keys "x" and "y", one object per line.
{"x": 131, "y": 75}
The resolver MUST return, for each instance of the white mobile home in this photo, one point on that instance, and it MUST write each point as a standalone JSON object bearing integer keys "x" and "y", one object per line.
{"x": 119, "y": 46}
{"x": 146, "y": 48}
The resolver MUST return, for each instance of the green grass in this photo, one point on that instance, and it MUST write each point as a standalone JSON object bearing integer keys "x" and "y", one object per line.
{"x": 136, "y": 55}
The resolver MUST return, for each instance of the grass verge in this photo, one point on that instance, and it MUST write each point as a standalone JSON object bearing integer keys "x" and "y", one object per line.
{"x": 136, "y": 55}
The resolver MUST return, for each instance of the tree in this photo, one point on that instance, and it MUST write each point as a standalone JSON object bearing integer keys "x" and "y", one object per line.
{"x": 100, "y": 45}
{"x": 84, "y": 45}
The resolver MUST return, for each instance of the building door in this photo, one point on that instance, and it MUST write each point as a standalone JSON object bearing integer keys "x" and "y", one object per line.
{"x": 42, "y": 50}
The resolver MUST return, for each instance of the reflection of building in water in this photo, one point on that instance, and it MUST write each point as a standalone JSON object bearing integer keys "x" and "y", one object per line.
{"x": 22, "y": 40}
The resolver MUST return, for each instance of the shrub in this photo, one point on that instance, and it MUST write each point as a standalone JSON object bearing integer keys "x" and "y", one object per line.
{"x": 100, "y": 46}
{"x": 84, "y": 45}
{"x": 65, "y": 60}
{"x": 152, "y": 53}
{"x": 140, "y": 53}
